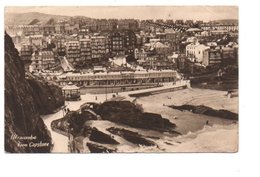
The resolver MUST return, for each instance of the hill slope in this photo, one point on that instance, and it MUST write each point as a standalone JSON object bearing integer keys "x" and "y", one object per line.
{"x": 26, "y": 18}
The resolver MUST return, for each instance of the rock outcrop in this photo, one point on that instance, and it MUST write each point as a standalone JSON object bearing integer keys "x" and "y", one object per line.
{"x": 132, "y": 137}
{"x": 47, "y": 96}
{"x": 95, "y": 148}
{"x": 101, "y": 137}
{"x": 127, "y": 113}
{"x": 75, "y": 122}
{"x": 200, "y": 109}
{"x": 22, "y": 112}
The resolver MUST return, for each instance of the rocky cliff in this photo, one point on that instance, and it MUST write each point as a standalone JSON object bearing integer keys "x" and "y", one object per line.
{"x": 24, "y": 102}
{"x": 48, "y": 97}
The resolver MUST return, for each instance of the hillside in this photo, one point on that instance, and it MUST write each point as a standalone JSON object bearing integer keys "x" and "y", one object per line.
{"x": 27, "y": 18}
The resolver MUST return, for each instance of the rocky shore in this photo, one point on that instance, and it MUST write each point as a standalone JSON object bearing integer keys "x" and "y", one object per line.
{"x": 121, "y": 113}
{"x": 101, "y": 137}
{"x": 126, "y": 112}
{"x": 201, "y": 109}
{"x": 132, "y": 137}
{"x": 95, "y": 148}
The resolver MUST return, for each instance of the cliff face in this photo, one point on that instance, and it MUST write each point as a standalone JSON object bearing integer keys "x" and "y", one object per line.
{"x": 23, "y": 106}
{"x": 47, "y": 97}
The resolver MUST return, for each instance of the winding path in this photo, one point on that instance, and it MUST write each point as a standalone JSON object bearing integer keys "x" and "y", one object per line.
{"x": 60, "y": 141}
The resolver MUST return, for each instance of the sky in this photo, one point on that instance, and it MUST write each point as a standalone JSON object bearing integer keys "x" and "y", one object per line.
{"x": 205, "y": 13}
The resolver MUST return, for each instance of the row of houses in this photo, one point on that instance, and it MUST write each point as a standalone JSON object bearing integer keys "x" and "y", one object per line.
{"x": 216, "y": 26}
{"x": 42, "y": 60}
{"x": 45, "y": 30}
{"x": 211, "y": 53}
{"x": 97, "y": 47}
{"x": 73, "y": 27}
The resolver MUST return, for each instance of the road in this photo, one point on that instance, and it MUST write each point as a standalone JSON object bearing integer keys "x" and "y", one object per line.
{"x": 60, "y": 141}
{"x": 66, "y": 65}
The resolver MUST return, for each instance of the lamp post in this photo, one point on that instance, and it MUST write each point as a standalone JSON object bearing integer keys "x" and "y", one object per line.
{"x": 69, "y": 148}
{"x": 106, "y": 88}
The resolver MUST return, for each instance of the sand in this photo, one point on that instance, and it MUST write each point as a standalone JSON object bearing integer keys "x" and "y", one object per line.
{"x": 221, "y": 136}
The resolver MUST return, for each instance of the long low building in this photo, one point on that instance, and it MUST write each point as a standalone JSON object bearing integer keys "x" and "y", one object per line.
{"x": 118, "y": 78}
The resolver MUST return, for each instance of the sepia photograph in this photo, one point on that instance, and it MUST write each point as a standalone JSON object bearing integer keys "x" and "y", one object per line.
{"x": 121, "y": 79}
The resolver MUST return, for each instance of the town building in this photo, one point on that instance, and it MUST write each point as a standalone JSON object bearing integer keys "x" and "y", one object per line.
{"x": 227, "y": 53}
{"x": 195, "y": 52}
{"x": 118, "y": 78}
{"x": 91, "y": 26}
{"x": 73, "y": 51}
{"x": 139, "y": 40}
{"x": 140, "y": 54}
{"x": 189, "y": 22}
{"x": 158, "y": 47}
{"x": 182, "y": 62}
{"x": 179, "y": 22}
{"x": 60, "y": 28}
{"x": 48, "y": 60}
{"x": 98, "y": 47}
{"x": 26, "y": 30}
{"x": 71, "y": 92}
{"x": 74, "y": 28}
{"x": 129, "y": 42}
{"x": 48, "y": 30}
{"x": 42, "y": 60}
{"x": 26, "y": 52}
{"x": 173, "y": 38}
{"x": 212, "y": 57}
{"x": 36, "y": 40}
{"x": 67, "y": 28}
{"x": 215, "y": 26}
{"x": 157, "y": 62}
{"x": 61, "y": 47}
{"x": 116, "y": 43}
{"x": 85, "y": 50}
{"x": 104, "y": 25}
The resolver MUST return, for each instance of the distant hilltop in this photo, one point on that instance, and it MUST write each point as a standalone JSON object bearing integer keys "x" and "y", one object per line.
{"x": 34, "y": 18}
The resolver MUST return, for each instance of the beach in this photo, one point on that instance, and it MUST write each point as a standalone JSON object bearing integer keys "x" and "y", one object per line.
{"x": 219, "y": 135}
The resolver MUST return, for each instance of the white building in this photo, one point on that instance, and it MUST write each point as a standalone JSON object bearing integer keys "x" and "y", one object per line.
{"x": 195, "y": 52}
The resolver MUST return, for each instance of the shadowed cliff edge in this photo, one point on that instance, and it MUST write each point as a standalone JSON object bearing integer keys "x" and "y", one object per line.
{"x": 25, "y": 99}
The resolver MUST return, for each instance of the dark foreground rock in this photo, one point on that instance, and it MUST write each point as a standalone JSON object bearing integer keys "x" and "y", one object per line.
{"x": 74, "y": 121}
{"x": 207, "y": 111}
{"x": 77, "y": 125}
{"x": 22, "y": 111}
{"x": 101, "y": 137}
{"x": 132, "y": 137}
{"x": 95, "y": 148}
{"x": 47, "y": 96}
{"x": 125, "y": 112}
